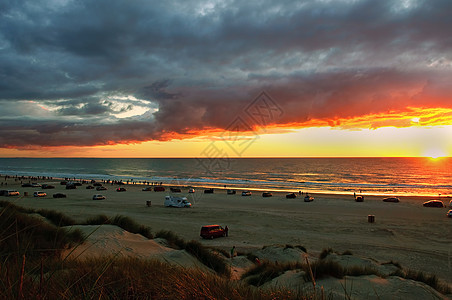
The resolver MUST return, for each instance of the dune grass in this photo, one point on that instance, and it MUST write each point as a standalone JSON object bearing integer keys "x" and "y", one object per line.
{"x": 123, "y": 222}
{"x": 205, "y": 255}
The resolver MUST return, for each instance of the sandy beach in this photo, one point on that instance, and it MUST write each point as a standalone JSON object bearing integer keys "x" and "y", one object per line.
{"x": 415, "y": 236}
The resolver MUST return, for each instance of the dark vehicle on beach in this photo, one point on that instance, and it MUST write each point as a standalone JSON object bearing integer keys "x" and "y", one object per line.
{"x": 70, "y": 186}
{"x": 47, "y": 186}
{"x": 101, "y": 188}
{"x": 231, "y": 192}
{"x": 308, "y": 198}
{"x": 26, "y": 185}
{"x": 147, "y": 189}
{"x": 63, "y": 182}
{"x": 434, "y": 203}
{"x": 212, "y": 231}
{"x": 121, "y": 189}
{"x": 291, "y": 196}
{"x": 89, "y": 187}
{"x": 267, "y": 194}
{"x": 175, "y": 190}
{"x": 97, "y": 184}
{"x": 159, "y": 189}
{"x": 359, "y": 198}
{"x": 208, "y": 191}
{"x": 59, "y": 195}
{"x": 391, "y": 199}
{"x": 246, "y": 193}
{"x": 449, "y": 213}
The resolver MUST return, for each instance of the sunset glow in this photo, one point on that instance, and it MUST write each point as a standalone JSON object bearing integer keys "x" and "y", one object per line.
{"x": 245, "y": 81}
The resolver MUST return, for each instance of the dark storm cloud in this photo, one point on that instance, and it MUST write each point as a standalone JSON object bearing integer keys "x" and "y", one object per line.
{"x": 70, "y": 68}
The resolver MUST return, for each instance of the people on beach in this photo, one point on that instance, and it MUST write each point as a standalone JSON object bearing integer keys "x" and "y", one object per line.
{"x": 226, "y": 230}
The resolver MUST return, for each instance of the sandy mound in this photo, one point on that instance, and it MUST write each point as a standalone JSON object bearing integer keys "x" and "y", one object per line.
{"x": 374, "y": 287}
{"x": 110, "y": 240}
{"x": 280, "y": 254}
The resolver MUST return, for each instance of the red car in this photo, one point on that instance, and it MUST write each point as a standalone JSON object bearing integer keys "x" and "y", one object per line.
{"x": 212, "y": 231}
{"x": 121, "y": 189}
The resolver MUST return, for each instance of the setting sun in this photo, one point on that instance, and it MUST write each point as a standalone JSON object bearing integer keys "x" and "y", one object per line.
{"x": 435, "y": 153}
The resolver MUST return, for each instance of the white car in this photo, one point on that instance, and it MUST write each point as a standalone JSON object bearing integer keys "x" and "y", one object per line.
{"x": 39, "y": 194}
{"x": 449, "y": 213}
{"x": 98, "y": 197}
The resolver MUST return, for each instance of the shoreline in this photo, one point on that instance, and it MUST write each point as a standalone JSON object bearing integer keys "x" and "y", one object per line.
{"x": 196, "y": 185}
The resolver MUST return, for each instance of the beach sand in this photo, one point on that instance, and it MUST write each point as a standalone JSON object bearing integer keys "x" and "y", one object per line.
{"x": 418, "y": 238}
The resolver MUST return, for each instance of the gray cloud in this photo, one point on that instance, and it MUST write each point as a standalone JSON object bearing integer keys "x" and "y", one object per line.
{"x": 195, "y": 65}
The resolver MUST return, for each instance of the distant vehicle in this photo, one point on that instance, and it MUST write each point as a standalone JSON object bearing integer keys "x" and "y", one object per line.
{"x": 59, "y": 195}
{"x": 101, "y": 188}
{"x": 175, "y": 190}
{"x": 359, "y": 198}
{"x": 34, "y": 184}
{"x": 291, "y": 196}
{"x": 391, "y": 199}
{"x": 171, "y": 201}
{"x": 191, "y": 190}
{"x": 147, "y": 189}
{"x": 267, "y": 194}
{"x": 449, "y": 213}
{"x": 70, "y": 186}
{"x": 231, "y": 192}
{"x": 98, "y": 197}
{"x": 77, "y": 183}
{"x": 159, "y": 189}
{"x": 47, "y": 186}
{"x": 433, "y": 203}
{"x": 212, "y": 231}
{"x": 39, "y": 194}
{"x": 26, "y": 185}
{"x": 12, "y": 193}
{"x": 97, "y": 184}
{"x": 246, "y": 193}
{"x": 208, "y": 191}
{"x": 308, "y": 198}
{"x": 63, "y": 182}
{"x": 89, "y": 187}
{"x": 121, "y": 189}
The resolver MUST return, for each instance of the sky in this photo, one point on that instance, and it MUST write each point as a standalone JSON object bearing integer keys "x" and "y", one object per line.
{"x": 81, "y": 78}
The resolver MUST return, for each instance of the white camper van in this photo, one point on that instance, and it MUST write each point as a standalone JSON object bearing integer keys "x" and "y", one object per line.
{"x": 171, "y": 201}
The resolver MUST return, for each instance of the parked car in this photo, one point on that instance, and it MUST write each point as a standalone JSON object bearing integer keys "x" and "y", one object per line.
{"x": 101, "y": 188}
{"x": 34, "y": 184}
{"x": 12, "y": 193}
{"x": 175, "y": 190}
{"x": 391, "y": 199}
{"x": 208, "y": 191}
{"x": 47, "y": 186}
{"x": 231, "y": 192}
{"x": 449, "y": 213}
{"x": 171, "y": 201}
{"x": 147, "y": 189}
{"x": 267, "y": 194}
{"x": 70, "y": 186}
{"x": 97, "y": 184}
{"x": 59, "y": 195}
{"x": 246, "y": 193}
{"x": 291, "y": 196}
{"x": 39, "y": 194}
{"x": 89, "y": 187}
{"x": 98, "y": 197}
{"x": 159, "y": 189}
{"x": 433, "y": 203}
{"x": 63, "y": 182}
{"x": 26, "y": 185}
{"x": 191, "y": 190}
{"x": 212, "y": 231}
{"x": 121, "y": 189}
{"x": 308, "y": 198}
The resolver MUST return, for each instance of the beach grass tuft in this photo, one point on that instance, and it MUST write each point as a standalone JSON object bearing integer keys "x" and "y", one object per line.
{"x": 123, "y": 222}
{"x": 325, "y": 253}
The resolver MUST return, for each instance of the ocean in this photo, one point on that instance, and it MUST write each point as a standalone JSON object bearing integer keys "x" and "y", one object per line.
{"x": 371, "y": 176}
